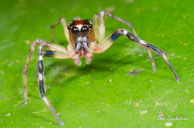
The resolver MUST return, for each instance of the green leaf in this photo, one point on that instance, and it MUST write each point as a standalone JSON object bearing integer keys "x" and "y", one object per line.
{"x": 118, "y": 89}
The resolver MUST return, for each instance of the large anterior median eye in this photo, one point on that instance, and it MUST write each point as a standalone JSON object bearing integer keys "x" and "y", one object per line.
{"x": 75, "y": 30}
{"x": 84, "y": 29}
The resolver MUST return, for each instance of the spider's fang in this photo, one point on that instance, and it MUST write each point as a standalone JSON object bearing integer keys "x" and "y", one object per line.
{"x": 85, "y": 46}
{"x": 78, "y": 46}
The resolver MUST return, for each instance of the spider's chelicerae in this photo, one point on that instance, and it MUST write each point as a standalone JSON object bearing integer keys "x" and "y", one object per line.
{"x": 84, "y": 39}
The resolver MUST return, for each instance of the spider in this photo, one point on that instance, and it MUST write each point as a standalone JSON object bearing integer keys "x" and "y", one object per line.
{"x": 84, "y": 39}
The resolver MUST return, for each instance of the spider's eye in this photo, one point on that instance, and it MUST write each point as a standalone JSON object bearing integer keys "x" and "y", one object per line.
{"x": 69, "y": 27}
{"x": 84, "y": 29}
{"x": 75, "y": 30}
{"x": 90, "y": 25}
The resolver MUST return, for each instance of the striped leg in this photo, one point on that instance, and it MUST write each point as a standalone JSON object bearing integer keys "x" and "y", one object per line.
{"x": 36, "y": 42}
{"x": 109, "y": 41}
{"x": 63, "y": 22}
{"x": 56, "y": 52}
{"x": 60, "y": 53}
{"x": 40, "y": 75}
{"x": 102, "y": 31}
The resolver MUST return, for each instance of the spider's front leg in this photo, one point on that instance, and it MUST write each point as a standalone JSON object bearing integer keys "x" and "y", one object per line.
{"x": 100, "y": 29}
{"x": 54, "y": 51}
{"x": 40, "y": 75}
{"x": 109, "y": 41}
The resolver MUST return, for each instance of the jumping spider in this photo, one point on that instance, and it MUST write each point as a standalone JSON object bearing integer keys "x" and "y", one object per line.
{"x": 84, "y": 39}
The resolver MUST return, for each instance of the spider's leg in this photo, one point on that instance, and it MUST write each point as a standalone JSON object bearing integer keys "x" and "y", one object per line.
{"x": 151, "y": 59}
{"x": 76, "y": 18}
{"x": 55, "y": 51}
{"x": 107, "y": 13}
{"x": 109, "y": 41}
{"x": 101, "y": 26}
{"x": 37, "y": 42}
{"x": 59, "y": 52}
{"x": 96, "y": 26}
{"x": 40, "y": 75}
{"x": 150, "y": 47}
{"x": 63, "y": 22}
{"x": 102, "y": 31}
{"x": 62, "y": 53}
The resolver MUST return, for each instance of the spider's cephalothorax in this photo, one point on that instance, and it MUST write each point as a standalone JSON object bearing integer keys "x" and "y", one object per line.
{"x": 84, "y": 39}
{"x": 81, "y": 35}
